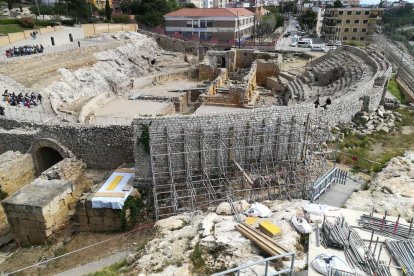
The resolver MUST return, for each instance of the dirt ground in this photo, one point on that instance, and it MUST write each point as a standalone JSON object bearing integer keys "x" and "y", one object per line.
{"x": 134, "y": 241}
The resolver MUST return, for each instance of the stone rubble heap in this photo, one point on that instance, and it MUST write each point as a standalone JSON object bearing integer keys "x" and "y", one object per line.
{"x": 392, "y": 189}
{"x": 366, "y": 123}
{"x": 214, "y": 236}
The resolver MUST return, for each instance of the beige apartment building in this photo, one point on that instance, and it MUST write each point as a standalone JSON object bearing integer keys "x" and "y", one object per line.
{"x": 347, "y": 24}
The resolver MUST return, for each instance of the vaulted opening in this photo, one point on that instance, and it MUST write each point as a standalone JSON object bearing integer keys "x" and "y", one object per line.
{"x": 47, "y": 157}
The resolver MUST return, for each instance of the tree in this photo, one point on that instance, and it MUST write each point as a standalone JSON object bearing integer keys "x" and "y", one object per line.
{"x": 151, "y": 12}
{"x": 338, "y": 4}
{"x": 308, "y": 19}
{"x": 189, "y": 5}
{"x": 9, "y": 4}
{"x": 108, "y": 10}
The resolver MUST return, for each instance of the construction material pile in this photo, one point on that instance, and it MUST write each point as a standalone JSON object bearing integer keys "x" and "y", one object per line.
{"x": 403, "y": 254}
{"x": 339, "y": 234}
{"x": 384, "y": 227}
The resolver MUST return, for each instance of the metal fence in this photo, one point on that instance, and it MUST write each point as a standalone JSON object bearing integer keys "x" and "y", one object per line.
{"x": 237, "y": 270}
{"x": 335, "y": 175}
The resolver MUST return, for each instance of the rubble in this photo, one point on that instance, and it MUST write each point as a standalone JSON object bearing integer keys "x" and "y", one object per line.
{"x": 216, "y": 240}
{"x": 366, "y": 123}
{"x": 392, "y": 189}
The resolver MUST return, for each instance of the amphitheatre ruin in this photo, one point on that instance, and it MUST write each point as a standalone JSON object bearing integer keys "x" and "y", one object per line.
{"x": 196, "y": 125}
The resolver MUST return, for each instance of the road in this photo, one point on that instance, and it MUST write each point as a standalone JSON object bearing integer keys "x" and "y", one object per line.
{"x": 284, "y": 42}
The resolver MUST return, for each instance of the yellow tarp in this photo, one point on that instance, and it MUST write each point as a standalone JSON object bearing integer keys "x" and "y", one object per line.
{"x": 114, "y": 183}
{"x": 250, "y": 220}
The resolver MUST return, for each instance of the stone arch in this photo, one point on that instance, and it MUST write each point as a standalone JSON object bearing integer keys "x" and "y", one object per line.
{"x": 46, "y": 152}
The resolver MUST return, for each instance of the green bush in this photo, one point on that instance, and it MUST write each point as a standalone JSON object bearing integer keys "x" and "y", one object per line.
{"x": 356, "y": 43}
{"x": 8, "y": 21}
{"x": 122, "y": 18}
{"x": 45, "y": 23}
{"x": 70, "y": 22}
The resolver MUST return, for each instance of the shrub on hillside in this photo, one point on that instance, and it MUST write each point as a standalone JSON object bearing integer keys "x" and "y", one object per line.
{"x": 122, "y": 18}
{"x": 70, "y": 22}
{"x": 7, "y": 21}
{"x": 26, "y": 22}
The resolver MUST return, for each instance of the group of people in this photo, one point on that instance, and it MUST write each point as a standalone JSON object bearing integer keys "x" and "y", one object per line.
{"x": 20, "y": 99}
{"x": 24, "y": 50}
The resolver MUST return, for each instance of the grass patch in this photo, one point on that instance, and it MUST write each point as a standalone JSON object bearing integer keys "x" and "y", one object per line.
{"x": 11, "y": 28}
{"x": 379, "y": 147}
{"x": 60, "y": 251}
{"x": 112, "y": 270}
{"x": 395, "y": 90}
{"x": 196, "y": 258}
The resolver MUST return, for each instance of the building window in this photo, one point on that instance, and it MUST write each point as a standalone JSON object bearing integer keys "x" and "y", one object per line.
{"x": 209, "y": 23}
{"x": 362, "y": 38}
{"x": 355, "y": 30}
{"x": 356, "y": 21}
{"x": 358, "y": 12}
{"x": 189, "y": 23}
{"x": 341, "y": 12}
{"x": 366, "y": 12}
{"x": 363, "y": 30}
{"x": 346, "y": 30}
{"x": 348, "y": 21}
{"x": 353, "y": 38}
{"x": 349, "y": 12}
{"x": 202, "y": 24}
{"x": 365, "y": 21}
{"x": 339, "y": 21}
{"x": 338, "y": 30}
{"x": 345, "y": 38}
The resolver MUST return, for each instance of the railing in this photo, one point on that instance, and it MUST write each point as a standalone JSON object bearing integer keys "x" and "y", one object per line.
{"x": 335, "y": 175}
{"x": 237, "y": 270}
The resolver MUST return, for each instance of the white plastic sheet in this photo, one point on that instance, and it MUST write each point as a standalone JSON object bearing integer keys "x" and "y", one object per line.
{"x": 301, "y": 225}
{"x": 114, "y": 202}
{"x": 258, "y": 210}
{"x": 324, "y": 263}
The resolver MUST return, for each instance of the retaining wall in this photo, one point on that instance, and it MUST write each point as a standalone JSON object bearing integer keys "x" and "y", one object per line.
{"x": 104, "y": 147}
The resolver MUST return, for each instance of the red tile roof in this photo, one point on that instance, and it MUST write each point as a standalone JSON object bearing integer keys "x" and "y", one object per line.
{"x": 215, "y": 12}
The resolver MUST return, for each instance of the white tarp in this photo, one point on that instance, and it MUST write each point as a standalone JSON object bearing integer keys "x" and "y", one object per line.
{"x": 123, "y": 186}
{"x": 324, "y": 263}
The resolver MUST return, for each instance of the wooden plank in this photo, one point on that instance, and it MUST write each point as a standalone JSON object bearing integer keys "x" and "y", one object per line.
{"x": 109, "y": 194}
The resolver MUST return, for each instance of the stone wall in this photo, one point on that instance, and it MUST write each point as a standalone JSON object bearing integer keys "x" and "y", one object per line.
{"x": 37, "y": 210}
{"x": 266, "y": 69}
{"x": 16, "y": 171}
{"x": 96, "y": 219}
{"x": 104, "y": 147}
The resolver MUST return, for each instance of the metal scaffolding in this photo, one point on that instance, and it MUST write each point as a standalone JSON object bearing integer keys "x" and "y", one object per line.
{"x": 195, "y": 168}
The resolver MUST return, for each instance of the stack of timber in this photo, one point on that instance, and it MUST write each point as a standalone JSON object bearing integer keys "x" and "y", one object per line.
{"x": 266, "y": 243}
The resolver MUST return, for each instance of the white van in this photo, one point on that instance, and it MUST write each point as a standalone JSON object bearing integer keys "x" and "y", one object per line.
{"x": 305, "y": 43}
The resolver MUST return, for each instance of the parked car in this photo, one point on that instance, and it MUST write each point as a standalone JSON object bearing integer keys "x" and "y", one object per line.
{"x": 330, "y": 43}
{"x": 286, "y": 35}
{"x": 338, "y": 43}
{"x": 319, "y": 49}
{"x": 293, "y": 43}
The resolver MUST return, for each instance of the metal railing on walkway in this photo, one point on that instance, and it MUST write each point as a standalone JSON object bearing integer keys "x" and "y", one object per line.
{"x": 335, "y": 175}
{"x": 237, "y": 270}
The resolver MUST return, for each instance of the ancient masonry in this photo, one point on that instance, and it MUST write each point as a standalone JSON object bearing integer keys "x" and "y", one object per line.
{"x": 190, "y": 162}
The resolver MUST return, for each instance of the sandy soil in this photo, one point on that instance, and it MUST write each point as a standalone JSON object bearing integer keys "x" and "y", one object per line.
{"x": 129, "y": 108}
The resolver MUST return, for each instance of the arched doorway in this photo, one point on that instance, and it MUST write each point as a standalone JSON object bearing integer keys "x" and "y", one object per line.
{"x": 46, "y": 158}
{"x": 48, "y": 152}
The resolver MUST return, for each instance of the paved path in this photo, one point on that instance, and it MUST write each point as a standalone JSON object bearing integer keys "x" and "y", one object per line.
{"x": 96, "y": 265}
{"x": 337, "y": 194}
